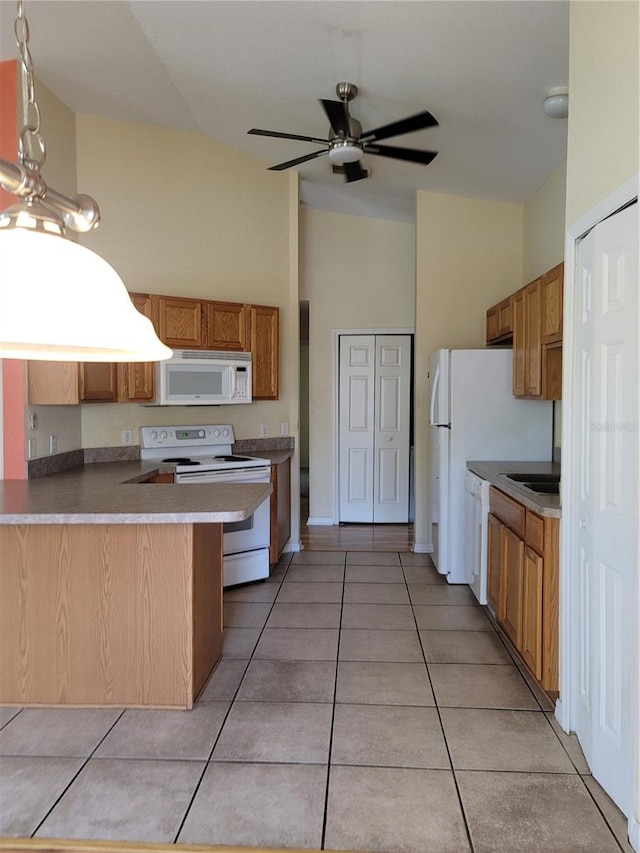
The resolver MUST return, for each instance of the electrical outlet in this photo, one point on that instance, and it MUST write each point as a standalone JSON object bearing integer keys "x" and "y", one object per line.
{"x": 264, "y": 430}
{"x": 127, "y": 437}
{"x": 53, "y": 443}
{"x": 284, "y": 428}
{"x": 31, "y": 448}
{"x": 33, "y": 421}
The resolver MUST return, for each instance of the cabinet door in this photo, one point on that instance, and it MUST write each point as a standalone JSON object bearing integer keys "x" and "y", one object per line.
{"x": 180, "y": 322}
{"x": 505, "y": 318}
{"x": 519, "y": 344}
{"x": 492, "y": 325}
{"x": 227, "y": 326}
{"x": 136, "y": 380}
{"x": 98, "y": 382}
{"x": 495, "y": 586}
{"x": 531, "y": 639}
{"x": 52, "y": 383}
{"x": 552, "y": 305}
{"x": 533, "y": 338}
{"x": 512, "y": 560}
{"x": 263, "y": 326}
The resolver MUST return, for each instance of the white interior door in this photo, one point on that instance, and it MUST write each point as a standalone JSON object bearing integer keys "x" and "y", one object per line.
{"x": 391, "y": 438}
{"x": 356, "y": 427}
{"x": 374, "y": 412}
{"x": 605, "y": 489}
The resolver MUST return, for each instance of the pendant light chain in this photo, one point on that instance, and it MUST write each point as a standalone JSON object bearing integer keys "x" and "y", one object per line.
{"x": 32, "y": 151}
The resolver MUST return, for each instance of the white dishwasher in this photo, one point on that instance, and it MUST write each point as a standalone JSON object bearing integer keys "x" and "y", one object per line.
{"x": 476, "y": 534}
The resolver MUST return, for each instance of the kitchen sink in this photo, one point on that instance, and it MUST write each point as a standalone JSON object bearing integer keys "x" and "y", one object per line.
{"x": 543, "y": 487}
{"x": 533, "y": 478}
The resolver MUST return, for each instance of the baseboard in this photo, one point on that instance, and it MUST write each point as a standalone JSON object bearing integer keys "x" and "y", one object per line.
{"x": 560, "y": 715}
{"x": 319, "y": 521}
{"x": 634, "y": 834}
{"x": 422, "y": 548}
{"x": 291, "y": 546}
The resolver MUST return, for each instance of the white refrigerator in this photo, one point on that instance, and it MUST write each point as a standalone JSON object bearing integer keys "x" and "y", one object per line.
{"x": 473, "y": 415}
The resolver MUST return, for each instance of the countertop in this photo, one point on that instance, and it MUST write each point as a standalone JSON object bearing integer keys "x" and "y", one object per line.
{"x": 545, "y": 505}
{"x": 116, "y": 493}
{"x": 276, "y": 457}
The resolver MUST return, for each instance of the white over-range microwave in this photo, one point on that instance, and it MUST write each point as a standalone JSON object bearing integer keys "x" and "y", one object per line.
{"x": 203, "y": 378}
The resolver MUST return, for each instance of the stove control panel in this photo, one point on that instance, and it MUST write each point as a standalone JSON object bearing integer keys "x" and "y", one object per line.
{"x": 186, "y": 436}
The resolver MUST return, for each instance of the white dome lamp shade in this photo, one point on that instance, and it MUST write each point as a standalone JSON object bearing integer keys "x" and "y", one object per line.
{"x": 556, "y": 103}
{"x": 343, "y": 151}
{"x": 59, "y": 301}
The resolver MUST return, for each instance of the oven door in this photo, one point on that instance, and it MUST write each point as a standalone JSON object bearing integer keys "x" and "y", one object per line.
{"x": 253, "y": 532}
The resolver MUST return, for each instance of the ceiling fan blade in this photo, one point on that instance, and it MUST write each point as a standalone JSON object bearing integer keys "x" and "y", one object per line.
{"x": 298, "y": 160}
{"x": 338, "y": 117}
{"x": 257, "y": 132}
{"x": 396, "y": 128}
{"x": 353, "y": 172}
{"x": 413, "y": 155}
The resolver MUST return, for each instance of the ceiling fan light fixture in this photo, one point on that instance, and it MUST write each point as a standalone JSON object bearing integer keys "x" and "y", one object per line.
{"x": 556, "y": 103}
{"x": 345, "y": 152}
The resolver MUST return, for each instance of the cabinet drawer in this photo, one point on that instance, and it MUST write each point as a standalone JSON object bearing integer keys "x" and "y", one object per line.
{"x": 510, "y": 512}
{"x": 534, "y": 532}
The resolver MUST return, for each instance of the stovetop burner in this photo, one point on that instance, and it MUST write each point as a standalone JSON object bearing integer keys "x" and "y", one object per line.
{"x": 181, "y": 460}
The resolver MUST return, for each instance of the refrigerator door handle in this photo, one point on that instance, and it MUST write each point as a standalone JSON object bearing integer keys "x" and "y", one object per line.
{"x": 434, "y": 391}
{"x": 434, "y": 395}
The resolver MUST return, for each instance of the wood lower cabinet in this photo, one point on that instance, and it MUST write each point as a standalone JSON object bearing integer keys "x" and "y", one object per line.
{"x": 280, "y": 509}
{"x": 523, "y": 583}
{"x": 512, "y": 564}
{"x": 531, "y": 631}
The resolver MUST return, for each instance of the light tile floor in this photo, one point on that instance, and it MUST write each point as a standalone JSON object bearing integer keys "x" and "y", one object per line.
{"x": 361, "y": 704}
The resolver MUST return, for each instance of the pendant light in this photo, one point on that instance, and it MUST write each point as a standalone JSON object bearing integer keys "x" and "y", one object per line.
{"x": 59, "y": 301}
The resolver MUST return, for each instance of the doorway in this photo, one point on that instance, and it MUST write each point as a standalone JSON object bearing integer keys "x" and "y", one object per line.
{"x": 374, "y": 428}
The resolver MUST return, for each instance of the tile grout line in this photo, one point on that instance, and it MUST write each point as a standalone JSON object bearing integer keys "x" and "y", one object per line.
{"x": 231, "y": 704}
{"x": 79, "y": 771}
{"x": 604, "y": 817}
{"x": 444, "y": 736}
{"x": 325, "y": 814}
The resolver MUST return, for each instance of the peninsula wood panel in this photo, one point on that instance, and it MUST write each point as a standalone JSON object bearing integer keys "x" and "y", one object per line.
{"x": 103, "y": 614}
{"x": 206, "y": 602}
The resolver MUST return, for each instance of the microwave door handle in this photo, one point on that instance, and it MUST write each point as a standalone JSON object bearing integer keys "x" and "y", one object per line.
{"x": 232, "y": 383}
{"x": 434, "y": 392}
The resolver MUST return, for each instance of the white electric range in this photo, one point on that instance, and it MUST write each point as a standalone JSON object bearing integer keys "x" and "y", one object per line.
{"x": 202, "y": 454}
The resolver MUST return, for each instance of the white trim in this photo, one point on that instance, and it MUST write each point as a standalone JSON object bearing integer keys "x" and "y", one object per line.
{"x": 633, "y": 831}
{"x": 422, "y": 548}
{"x": 336, "y": 389}
{"x": 319, "y": 521}
{"x": 565, "y": 710}
{"x": 292, "y": 547}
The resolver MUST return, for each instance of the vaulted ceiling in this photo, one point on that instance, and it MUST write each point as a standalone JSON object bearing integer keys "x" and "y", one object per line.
{"x": 221, "y": 67}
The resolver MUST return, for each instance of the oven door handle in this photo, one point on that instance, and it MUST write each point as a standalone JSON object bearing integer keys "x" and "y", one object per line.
{"x": 245, "y": 475}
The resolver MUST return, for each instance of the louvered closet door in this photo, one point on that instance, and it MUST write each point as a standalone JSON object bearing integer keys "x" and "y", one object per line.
{"x": 374, "y": 410}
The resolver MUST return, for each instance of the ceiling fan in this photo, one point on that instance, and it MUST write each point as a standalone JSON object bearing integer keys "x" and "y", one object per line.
{"x": 346, "y": 143}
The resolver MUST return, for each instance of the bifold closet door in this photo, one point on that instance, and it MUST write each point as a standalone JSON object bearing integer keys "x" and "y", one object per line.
{"x": 374, "y": 409}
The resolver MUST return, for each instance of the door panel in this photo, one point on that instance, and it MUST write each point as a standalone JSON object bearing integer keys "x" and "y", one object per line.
{"x": 606, "y": 477}
{"x": 356, "y": 427}
{"x": 374, "y": 411}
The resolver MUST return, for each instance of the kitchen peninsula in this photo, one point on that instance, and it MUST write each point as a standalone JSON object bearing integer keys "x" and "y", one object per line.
{"x": 112, "y": 585}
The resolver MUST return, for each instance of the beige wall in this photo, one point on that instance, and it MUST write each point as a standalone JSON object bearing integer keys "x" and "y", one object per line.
{"x": 603, "y": 147}
{"x": 468, "y": 256}
{"x": 59, "y": 171}
{"x": 356, "y": 273}
{"x": 185, "y": 214}
{"x": 544, "y": 226}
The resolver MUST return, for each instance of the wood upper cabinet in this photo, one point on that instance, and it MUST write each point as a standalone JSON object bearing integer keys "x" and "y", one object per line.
{"x": 264, "y": 338}
{"x": 552, "y": 296}
{"x": 136, "y": 380}
{"x": 226, "y": 326}
{"x": 500, "y": 323}
{"x": 98, "y": 382}
{"x": 180, "y": 321}
{"x": 519, "y": 343}
{"x": 533, "y": 339}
